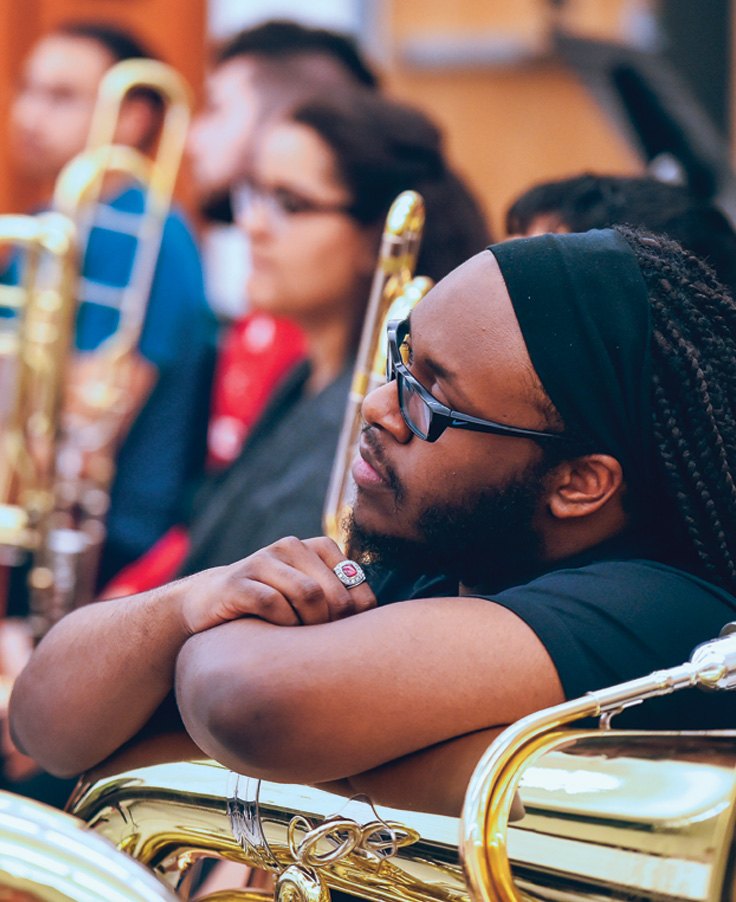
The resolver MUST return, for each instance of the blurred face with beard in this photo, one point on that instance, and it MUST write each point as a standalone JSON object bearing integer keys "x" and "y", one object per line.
{"x": 51, "y": 112}
{"x": 471, "y": 504}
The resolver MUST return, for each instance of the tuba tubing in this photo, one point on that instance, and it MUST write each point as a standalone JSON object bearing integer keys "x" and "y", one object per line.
{"x": 47, "y": 856}
{"x": 169, "y": 814}
{"x": 38, "y": 350}
{"x": 492, "y": 788}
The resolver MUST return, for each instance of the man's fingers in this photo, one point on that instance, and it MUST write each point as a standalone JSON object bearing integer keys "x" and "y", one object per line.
{"x": 251, "y": 597}
{"x": 299, "y": 574}
{"x": 302, "y": 592}
{"x": 303, "y": 555}
{"x": 360, "y": 597}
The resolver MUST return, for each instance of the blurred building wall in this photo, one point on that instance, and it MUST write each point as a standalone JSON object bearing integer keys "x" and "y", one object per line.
{"x": 513, "y": 114}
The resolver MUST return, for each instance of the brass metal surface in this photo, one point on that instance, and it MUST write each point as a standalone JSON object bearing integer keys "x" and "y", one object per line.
{"x": 48, "y": 856}
{"x": 394, "y": 292}
{"x": 102, "y": 405}
{"x": 35, "y": 338}
{"x": 608, "y": 814}
{"x": 169, "y": 814}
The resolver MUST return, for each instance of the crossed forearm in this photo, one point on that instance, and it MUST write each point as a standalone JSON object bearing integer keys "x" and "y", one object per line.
{"x": 273, "y": 674}
{"x": 97, "y": 678}
{"x": 101, "y": 674}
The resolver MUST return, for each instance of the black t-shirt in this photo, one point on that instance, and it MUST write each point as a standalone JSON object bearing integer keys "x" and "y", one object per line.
{"x": 608, "y": 616}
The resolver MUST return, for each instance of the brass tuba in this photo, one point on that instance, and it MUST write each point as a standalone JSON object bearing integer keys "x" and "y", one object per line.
{"x": 607, "y": 814}
{"x": 47, "y": 856}
{"x": 168, "y": 815}
{"x": 67, "y": 575}
{"x": 394, "y": 292}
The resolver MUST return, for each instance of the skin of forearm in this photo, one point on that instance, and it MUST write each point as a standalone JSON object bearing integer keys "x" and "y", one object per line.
{"x": 126, "y": 652}
{"x": 433, "y": 780}
{"x": 318, "y": 703}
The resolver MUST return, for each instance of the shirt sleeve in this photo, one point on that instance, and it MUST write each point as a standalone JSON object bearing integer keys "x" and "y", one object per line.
{"x": 618, "y": 620}
{"x": 177, "y": 311}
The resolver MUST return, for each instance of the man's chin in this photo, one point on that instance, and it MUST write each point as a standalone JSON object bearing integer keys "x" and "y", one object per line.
{"x": 370, "y": 544}
{"x": 485, "y": 537}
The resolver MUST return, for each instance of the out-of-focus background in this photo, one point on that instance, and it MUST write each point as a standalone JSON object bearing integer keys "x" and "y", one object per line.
{"x": 525, "y": 89}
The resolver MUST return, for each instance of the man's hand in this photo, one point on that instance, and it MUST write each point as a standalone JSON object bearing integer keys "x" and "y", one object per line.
{"x": 288, "y": 583}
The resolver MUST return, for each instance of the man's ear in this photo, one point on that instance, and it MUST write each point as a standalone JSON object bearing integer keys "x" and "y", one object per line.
{"x": 582, "y": 486}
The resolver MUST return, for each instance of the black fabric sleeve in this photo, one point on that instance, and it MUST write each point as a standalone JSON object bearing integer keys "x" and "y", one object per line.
{"x": 617, "y": 620}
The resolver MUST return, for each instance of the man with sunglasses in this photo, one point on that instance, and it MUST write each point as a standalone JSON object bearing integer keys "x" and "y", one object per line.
{"x": 550, "y": 472}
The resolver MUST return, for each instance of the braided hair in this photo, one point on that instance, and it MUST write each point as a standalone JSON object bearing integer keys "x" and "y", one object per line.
{"x": 694, "y": 399}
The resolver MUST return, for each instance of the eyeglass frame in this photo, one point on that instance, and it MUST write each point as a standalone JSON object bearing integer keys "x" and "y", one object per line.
{"x": 442, "y": 417}
{"x": 269, "y": 198}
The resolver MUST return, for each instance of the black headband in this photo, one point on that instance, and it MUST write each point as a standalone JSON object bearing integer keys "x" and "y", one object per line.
{"x": 583, "y": 309}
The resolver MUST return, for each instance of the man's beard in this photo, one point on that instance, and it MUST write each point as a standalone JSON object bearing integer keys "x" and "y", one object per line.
{"x": 485, "y": 539}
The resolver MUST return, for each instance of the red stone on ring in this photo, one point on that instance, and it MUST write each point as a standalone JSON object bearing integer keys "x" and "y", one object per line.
{"x": 349, "y": 573}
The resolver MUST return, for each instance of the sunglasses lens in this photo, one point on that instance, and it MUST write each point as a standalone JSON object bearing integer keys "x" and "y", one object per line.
{"x": 416, "y": 412}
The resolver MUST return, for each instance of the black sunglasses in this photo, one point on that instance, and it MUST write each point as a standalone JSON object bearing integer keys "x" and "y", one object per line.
{"x": 424, "y": 414}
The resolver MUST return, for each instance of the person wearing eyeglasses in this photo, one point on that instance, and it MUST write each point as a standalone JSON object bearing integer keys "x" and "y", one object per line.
{"x": 555, "y": 451}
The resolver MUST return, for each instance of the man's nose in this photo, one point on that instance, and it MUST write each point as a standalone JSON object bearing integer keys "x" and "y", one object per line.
{"x": 255, "y": 219}
{"x": 381, "y": 408}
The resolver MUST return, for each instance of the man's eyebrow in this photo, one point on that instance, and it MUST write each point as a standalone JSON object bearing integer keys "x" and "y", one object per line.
{"x": 429, "y": 362}
{"x": 439, "y": 369}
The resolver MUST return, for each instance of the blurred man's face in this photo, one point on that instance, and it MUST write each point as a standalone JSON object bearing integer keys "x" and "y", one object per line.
{"x": 222, "y": 130}
{"x": 52, "y": 110}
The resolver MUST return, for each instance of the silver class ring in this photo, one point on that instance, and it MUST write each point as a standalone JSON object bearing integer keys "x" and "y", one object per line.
{"x": 349, "y": 573}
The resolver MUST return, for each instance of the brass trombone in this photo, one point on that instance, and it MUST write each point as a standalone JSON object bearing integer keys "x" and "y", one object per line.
{"x": 35, "y": 336}
{"x": 81, "y": 184}
{"x": 88, "y": 445}
{"x": 394, "y": 292}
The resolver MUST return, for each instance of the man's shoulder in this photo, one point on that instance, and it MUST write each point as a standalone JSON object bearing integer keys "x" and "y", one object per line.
{"x": 612, "y": 620}
{"x": 619, "y": 570}
{"x": 619, "y": 581}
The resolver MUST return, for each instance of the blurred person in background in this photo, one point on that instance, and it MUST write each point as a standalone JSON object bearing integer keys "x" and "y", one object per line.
{"x": 257, "y": 72}
{"x": 312, "y": 201}
{"x": 596, "y": 201}
{"x": 160, "y": 445}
